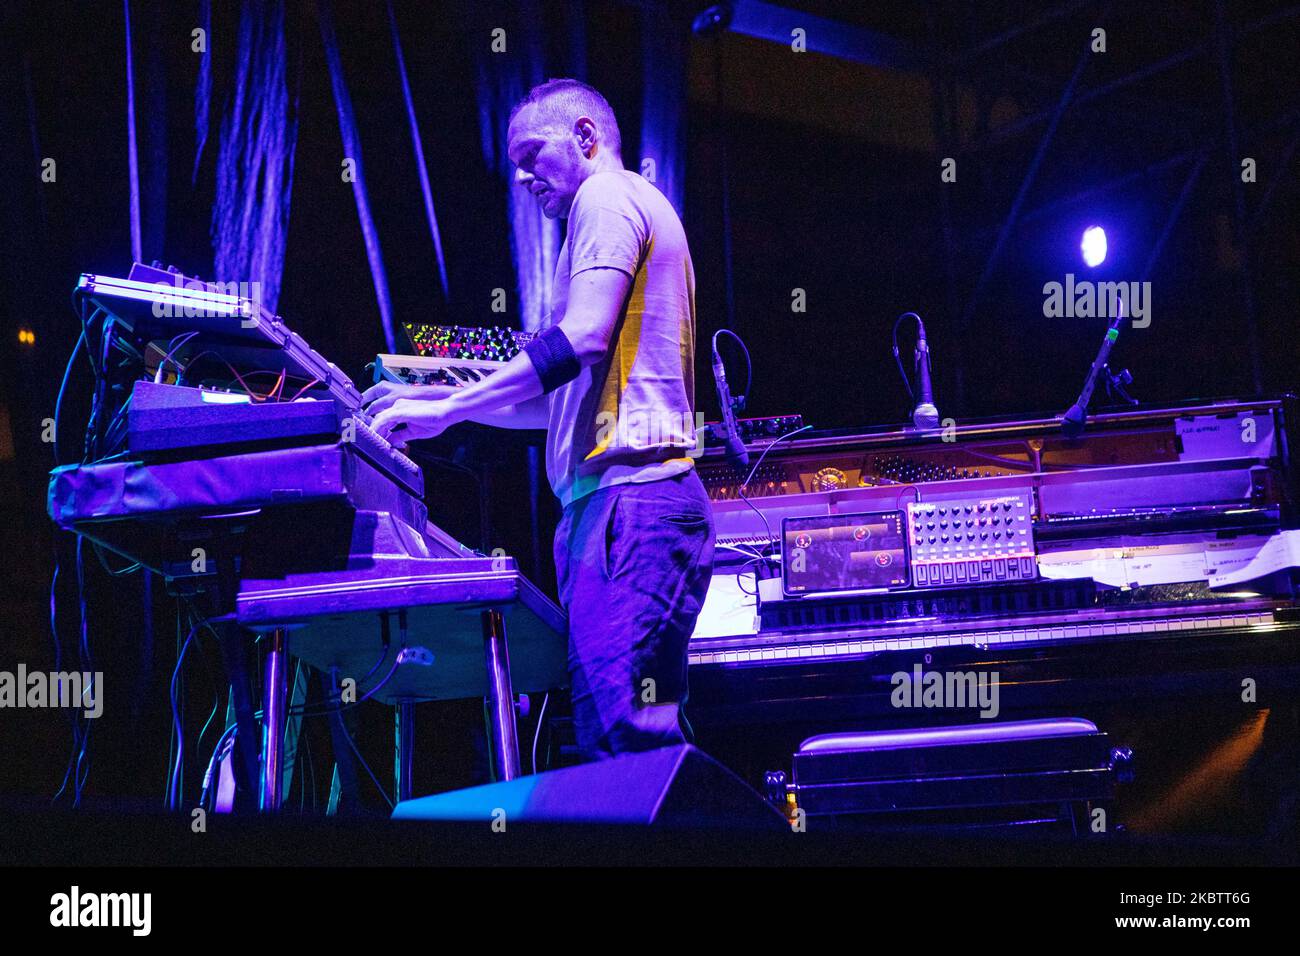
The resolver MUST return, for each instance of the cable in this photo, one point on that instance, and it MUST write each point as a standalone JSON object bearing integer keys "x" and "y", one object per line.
{"x": 88, "y": 447}
{"x": 63, "y": 388}
{"x": 380, "y": 787}
{"x": 54, "y": 623}
{"x": 748, "y": 478}
{"x": 172, "y": 346}
{"x": 897, "y": 358}
{"x": 58, "y": 666}
{"x": 216, "y": 700}
{"x": 914, "y": 488}
{"x": 741, "y": 549}
{"x": 298, "y": 394}
{"x": 175, "y": 786}
{"x": 227, "y": 735}
{"x": 541, "y": 716}
{"x": 319, "y": 708}
{"x": 309, "y": 711}
{"x": 103, "y": 561}
{"x": 171, "y": 734}
{"x": 743, "y": 572}
{"x": 749, "y": 368}
{"x": 86, "y": 321}
{"x": 248, "y": 389}
{"x": 87, "y": 665}
{"x": 116, "y": 423}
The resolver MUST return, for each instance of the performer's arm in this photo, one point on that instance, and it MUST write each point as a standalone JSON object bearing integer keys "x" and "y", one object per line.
{"x": 556, "y": 356}
{"x": 533, "y": 413}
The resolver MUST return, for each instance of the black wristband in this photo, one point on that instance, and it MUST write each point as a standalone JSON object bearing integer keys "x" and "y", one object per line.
{"x": 553, "y": 358}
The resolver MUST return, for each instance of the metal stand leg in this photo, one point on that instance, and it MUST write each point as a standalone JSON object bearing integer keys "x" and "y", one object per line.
{"x": 273, "y": 724}
{"x": 404, "y": 749}
{"x": 349, "y": 801}
{"x": 500, "y": 697}
{"x": 244, "y": 765}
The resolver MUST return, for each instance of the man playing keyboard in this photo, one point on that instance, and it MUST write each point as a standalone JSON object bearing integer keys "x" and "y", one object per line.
{"x": 611, "y": 379}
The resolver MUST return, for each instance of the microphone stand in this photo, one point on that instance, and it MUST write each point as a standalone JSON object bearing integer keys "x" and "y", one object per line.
{"x": 1074, "y": 420}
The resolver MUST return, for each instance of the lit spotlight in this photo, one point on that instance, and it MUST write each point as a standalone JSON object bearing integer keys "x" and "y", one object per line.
{"x": 1094, "y": 246}
{"x": 26, "y": 337}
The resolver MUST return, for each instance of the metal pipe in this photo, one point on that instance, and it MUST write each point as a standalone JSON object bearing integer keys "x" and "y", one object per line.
{"x": 1283, "y": 167}
{"x": 500, "y": 697}
{"x": 1007, "y": 36}
{"x": 1174, "y": 215}
{"x": 273, "y": 724}
{"x": 979, "y": 237}
{"x": 1005, "y": 132}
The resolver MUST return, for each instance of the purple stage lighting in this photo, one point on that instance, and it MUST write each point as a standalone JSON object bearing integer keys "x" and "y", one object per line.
{"x": 1094, "y": 246}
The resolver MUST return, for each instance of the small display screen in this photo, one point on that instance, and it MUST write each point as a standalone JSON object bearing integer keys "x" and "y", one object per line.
{"x": 844, "y": 552}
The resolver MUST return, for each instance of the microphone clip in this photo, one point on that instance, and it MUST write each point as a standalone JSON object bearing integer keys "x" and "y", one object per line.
{"x": 1115, "y": 383}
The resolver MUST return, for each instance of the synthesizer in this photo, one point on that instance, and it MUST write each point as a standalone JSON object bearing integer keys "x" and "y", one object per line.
{"x": 166, "y": 420}
{"x": 450, "y": 354}
{"x": 224, "y": 454}
{"x": 227, "y": 320}
{"x": 232, "y": 364}
{"x": 226, "y": 432}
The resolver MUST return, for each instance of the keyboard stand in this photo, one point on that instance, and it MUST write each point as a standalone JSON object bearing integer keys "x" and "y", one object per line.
{"x": 331, "y": 621}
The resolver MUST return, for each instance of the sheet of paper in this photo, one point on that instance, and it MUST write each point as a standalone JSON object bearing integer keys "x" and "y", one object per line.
{"x": 1103, "y": 565}
{"x": 728, "y": 610}
{"x": 1233, "y": 566}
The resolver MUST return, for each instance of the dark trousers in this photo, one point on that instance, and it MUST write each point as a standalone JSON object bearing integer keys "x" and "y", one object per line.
{"x": 633, "y": 563}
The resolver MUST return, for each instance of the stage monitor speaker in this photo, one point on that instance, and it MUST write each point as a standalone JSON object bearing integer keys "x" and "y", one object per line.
{"x": 672, "y": 787}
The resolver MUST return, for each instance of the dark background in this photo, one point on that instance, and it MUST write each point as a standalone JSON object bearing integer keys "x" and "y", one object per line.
{"x": 834, "y": 176}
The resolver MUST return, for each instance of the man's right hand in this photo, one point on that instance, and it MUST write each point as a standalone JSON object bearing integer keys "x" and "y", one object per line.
{"x": 382, "y": 395}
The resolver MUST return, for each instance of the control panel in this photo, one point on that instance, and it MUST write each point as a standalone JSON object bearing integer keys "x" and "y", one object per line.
{"x": 976, "y": 540}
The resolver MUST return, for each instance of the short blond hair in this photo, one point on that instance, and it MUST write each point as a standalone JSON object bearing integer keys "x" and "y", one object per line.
{"x": 563, "y": 100}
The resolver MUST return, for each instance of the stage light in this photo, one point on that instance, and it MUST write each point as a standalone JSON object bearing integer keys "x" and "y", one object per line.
{"x": 26, "y": 337}
{"x": 1094, "y": 246}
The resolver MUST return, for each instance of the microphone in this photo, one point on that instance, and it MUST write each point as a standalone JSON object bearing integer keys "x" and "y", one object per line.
{"x": 736, "y": 453}
{"x": 925, "y": 415}
{"x": 1072, "y": 421}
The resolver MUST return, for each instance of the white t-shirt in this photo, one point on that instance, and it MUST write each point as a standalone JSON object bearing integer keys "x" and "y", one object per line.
{"x": 630, "y": 416}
